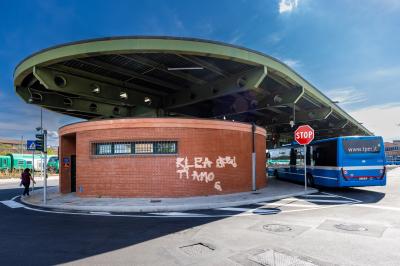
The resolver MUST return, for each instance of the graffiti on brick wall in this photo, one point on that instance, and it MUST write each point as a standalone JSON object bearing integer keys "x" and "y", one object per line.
{"x": 199, "y": 169}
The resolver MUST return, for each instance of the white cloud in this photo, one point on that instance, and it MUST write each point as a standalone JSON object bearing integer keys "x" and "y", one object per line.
{"x": 388, "y": 72}
{"x": 52, "y": 134}
{"x": 382, "y": 120}
{"x": 236, "y": 37}
{"x": 292, "y": 63}
{"x": 287, "y": 5}
{"x": 346, "y": 95}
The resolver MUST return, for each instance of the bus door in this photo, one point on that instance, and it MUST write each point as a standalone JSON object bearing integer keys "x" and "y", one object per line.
{"x": 292, "y": 163}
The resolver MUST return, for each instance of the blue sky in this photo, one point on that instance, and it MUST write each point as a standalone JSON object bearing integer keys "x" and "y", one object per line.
{"x": 349, "y": 49}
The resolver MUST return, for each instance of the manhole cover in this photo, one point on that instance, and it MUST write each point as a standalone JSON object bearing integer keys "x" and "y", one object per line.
{"x": 350, "y": 227}
{"x": 198, "y": 249}
{"x": 277, "y": 228}
{"x": 275, "y": 258}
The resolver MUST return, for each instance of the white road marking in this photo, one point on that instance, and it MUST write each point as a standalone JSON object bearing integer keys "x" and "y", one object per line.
{"x": 176, "y": 213}
{"x": 330, "y": 201}
{"x": 14, "y": 198}
{"x": 234, "y": 209}
{"x": 254, "y": 210}
{"x": 243, "y": 211}
{"x": 289, "y": 205}
{"x": 356, "y": 200}
{"x": 102, "y": 213}
{"x": 378, "y": 207}
{"x": 319, "y": 196}
{"x": 319, "y": 200}
{"x": 12, "y": 204}
{"x": 188, "y": 215}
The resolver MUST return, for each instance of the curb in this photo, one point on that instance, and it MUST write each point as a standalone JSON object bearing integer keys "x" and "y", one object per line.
{"x": 169, "y": 208}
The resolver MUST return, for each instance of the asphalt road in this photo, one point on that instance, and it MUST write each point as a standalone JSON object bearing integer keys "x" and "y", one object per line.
{"x": 333, "y": 227}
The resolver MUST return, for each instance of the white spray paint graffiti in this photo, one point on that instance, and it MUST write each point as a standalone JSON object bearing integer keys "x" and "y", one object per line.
{"x": 184, "y": 168}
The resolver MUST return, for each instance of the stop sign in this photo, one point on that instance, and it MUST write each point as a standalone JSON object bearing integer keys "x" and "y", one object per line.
{"x": 304, "y": 134}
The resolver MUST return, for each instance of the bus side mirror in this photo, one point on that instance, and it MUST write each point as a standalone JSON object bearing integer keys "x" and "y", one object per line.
{"x": 268, "y": 155}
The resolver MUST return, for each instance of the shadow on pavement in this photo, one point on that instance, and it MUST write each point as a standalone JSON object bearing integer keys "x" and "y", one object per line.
{"x": 36, "y": 238}
{"x": 361, "y": 194}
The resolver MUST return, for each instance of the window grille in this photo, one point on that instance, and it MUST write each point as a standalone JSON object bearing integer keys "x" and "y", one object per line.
{"x": 104, "y": 149}
{"x": 135, "y": 147}
{"x": 141, "y": 148}
{"x": 122, "y": 148}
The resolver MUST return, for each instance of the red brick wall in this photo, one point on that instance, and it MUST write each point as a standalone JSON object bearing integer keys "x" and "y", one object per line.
{"x": 156, "y": 175}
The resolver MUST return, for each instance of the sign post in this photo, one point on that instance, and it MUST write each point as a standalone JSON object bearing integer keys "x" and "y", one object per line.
{"x": 303, "y": 136}
{"x": 31, "y": 146}
{"x": 41, "y": 145}
{"x": 45, "y": 167}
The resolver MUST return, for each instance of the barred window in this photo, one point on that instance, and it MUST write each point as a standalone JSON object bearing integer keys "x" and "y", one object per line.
{"x": 143, "y": 148}
{"x": 165, "y": 147}
{"x": 104, "y": 149}
{"x": 135, "y": 147}
{"x": 122, "y": 148}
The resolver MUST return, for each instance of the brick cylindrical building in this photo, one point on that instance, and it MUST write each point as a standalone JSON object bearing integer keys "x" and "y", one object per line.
{"x": 160, "y": 157}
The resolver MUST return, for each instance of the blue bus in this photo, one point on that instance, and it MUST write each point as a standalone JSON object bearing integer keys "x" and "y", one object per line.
{"x": 352, "y": 161}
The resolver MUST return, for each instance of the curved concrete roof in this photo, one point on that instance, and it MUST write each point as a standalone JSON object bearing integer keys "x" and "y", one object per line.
{"x": 168, "y": 76}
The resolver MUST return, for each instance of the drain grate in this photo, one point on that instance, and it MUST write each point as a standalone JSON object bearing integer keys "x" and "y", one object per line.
{"x": 351, "y": 227}
{"x": 198, "y": 249}
{"x": 272, "y": 257}
{"x": 155, "y": 201}
{"x": 278, "y": 228}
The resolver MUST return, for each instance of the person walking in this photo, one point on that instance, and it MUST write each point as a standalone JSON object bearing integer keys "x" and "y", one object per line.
{"x": 26, "y": 178}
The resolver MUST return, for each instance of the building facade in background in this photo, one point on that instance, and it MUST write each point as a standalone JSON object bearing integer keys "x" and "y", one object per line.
{"x": 12, "y": 146}
{"x": 392, "y": 152}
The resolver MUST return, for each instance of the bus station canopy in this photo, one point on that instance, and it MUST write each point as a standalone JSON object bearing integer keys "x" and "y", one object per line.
{"x": 177, "y": 77}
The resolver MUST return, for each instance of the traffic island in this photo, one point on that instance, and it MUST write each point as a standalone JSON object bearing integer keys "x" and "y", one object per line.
{"x": 275, "y": 191}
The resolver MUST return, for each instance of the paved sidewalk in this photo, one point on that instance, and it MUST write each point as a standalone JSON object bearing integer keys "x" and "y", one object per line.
{"x": 276, "y": 190}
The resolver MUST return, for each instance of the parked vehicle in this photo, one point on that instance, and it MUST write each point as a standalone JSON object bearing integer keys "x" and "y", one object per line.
{"x": 18, "y": 162}
{"x": 336, "y": 162}
{"x": 5, "y": 163}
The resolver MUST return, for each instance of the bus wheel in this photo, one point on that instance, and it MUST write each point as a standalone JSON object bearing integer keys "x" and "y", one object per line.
{"x": 276, "y": 174}
{"x": 310, "y": 180}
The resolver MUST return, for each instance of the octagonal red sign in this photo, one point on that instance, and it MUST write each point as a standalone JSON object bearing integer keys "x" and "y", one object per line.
{"x": 304, "y": 134}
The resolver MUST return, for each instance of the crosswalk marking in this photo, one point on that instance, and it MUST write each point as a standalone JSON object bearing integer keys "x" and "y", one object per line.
{"x": 12, "y": 204}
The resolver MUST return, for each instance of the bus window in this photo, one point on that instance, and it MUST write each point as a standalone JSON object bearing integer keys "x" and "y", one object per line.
{"x": 352, "y": 146}
{"x": 325, "y": 153}
{"x": 309, "y": 154}
{"x": 279, "y": 157}
{"x": 300, "y": 156}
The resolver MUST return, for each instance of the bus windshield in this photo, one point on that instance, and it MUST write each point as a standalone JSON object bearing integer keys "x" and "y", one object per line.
{"x": 355, "y": 146}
